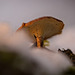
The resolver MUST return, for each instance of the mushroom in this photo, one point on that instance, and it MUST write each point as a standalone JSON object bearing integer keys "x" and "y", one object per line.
{"x": 43, "y": 28}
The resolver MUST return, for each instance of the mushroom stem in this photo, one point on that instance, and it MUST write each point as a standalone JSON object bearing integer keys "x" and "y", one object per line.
{"x": 39, "y": 42}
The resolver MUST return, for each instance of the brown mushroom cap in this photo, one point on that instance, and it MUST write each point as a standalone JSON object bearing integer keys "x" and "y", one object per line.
{"x": 44, "y": 27}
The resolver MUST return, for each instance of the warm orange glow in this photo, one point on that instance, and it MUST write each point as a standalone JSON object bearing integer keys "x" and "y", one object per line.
{"x": 21, "y": 27}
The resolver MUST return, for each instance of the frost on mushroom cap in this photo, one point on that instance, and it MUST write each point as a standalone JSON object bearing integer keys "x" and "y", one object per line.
{"x": 44, "y": 27}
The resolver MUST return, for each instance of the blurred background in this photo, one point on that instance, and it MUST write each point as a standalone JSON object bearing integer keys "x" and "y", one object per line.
{"x": 15, "y": 12}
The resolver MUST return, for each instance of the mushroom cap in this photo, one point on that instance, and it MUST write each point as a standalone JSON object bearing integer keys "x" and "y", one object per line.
{"x": 44, "y": 27}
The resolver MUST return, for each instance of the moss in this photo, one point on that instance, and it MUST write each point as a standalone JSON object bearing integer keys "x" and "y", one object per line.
{"x": 70, "y": 71}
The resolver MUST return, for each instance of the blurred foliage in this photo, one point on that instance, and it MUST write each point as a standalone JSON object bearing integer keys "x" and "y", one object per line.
{"x": 70, "y": 71}
{"x": 69, "y": 53}
{"x": 12, "y": 63}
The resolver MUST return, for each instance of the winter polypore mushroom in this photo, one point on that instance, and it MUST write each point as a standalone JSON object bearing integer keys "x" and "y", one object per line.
{"x": 43, "y": 28}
